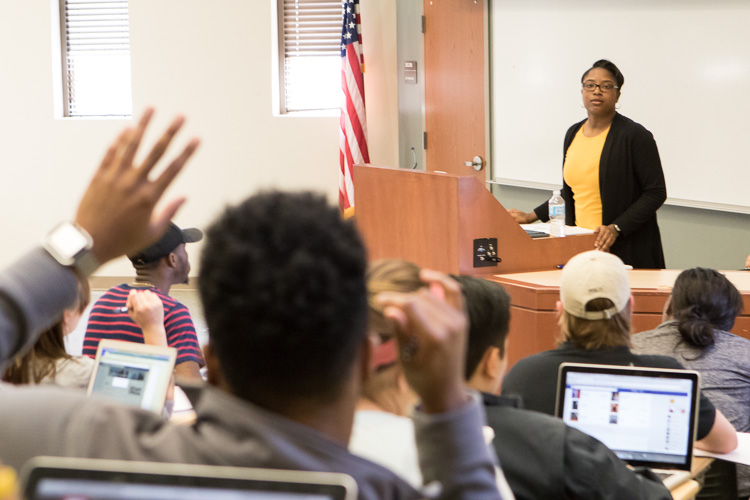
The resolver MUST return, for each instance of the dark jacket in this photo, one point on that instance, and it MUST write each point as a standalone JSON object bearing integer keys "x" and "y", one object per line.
{"x": 542, "y": 457}
{"x": 632, "y": 188}
{"x": 534, "y": 378}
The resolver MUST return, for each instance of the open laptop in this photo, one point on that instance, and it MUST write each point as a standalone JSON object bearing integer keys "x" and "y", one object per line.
{"x": 647, "y": 416}
{"x": 132, "y": 373}
{"x": 54, "y": 478}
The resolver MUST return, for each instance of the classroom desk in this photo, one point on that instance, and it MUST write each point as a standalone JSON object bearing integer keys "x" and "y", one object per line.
{"x": 688, "y": 489}
{"x": 533, "y": 323}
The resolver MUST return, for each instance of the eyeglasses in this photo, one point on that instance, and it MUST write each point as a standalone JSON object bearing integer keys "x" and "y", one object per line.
{"x": 604, "y": 87}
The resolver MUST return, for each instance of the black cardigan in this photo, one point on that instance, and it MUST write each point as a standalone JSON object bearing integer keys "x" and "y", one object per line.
{"x": 632, "y": 187}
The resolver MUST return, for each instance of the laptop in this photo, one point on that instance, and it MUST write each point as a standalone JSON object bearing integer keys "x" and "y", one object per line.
{"x": 55, "y": 478}
{"x": 646, "y": 416}
{"x": 133, "y": 374}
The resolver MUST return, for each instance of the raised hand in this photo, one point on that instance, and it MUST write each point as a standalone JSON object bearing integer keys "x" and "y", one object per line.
{"x": 118, "y": 208}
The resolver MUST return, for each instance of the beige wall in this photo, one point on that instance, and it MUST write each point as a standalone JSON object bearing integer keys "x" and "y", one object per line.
{"x": 209, "y": 60}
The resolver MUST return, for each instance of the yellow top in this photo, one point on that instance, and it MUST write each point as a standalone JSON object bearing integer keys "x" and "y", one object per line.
{"x": 581, "y": 173}
{"x": 8, "y": 483}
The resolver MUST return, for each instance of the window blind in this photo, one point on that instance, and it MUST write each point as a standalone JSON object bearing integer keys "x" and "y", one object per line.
{"x": 310, "y": 35}
{"x": 96, "y": 59}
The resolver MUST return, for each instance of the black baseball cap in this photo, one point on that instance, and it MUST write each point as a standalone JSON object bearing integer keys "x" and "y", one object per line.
{"x": 173, "y": 237}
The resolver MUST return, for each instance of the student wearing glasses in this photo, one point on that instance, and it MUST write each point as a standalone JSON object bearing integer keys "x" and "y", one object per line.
{"x": 613, "y": 181}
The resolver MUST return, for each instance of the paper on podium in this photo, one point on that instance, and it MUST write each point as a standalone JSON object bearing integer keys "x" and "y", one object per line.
{"x": 740, "y": 455}
{"x": 544, "y": 228}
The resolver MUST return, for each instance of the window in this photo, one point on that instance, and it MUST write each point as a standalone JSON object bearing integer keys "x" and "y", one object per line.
{"x": 309, "y": 55}
{"x": 95, "y": 42}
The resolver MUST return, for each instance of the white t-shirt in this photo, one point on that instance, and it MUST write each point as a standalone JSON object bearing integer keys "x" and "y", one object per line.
{"x": 387, "y": 440}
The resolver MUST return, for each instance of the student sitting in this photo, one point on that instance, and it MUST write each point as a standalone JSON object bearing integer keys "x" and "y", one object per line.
{"x": 47, "y": 362}
{"x": 697, "y": 318}
{"x": 541, "y": 457}
{"x": 383, "y": 431}
{"x": 595, "y": 313}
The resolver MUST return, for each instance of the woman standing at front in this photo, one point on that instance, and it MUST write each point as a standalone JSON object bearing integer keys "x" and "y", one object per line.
{"x": 613, "y": 181}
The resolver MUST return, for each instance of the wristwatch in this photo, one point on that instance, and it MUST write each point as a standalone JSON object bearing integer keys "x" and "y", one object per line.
{"x": 70, "y": 245}
{"x": 617, "y": 228}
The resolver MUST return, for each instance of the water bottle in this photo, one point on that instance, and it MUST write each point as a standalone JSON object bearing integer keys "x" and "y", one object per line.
{"x": 556, "y": 215}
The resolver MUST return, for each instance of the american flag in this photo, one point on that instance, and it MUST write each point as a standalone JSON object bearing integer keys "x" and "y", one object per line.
{"x": 353, "y": 138}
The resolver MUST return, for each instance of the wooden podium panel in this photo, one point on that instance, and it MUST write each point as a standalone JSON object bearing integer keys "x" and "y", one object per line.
{"x": 534, "y": 295}
{"x": 432, "y": 219}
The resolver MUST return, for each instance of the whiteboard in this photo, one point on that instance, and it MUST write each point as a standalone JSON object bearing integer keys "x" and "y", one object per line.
{"x": 687, "y": 79}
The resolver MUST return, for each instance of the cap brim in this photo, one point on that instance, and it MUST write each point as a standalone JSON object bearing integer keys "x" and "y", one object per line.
{"x": 192, "y": 235}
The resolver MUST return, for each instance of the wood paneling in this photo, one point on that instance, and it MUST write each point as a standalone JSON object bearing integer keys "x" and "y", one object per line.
{"x": 433, "y": 219}
{"x": 455, "y": 85}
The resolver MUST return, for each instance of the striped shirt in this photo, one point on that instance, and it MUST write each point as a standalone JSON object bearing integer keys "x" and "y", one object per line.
{"x": 106, "y": 322}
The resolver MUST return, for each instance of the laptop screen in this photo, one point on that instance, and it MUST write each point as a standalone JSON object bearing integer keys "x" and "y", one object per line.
{"x": 133, "y": 374}
{"x": 646, "y": 416}
{"x": 49, "y": 478}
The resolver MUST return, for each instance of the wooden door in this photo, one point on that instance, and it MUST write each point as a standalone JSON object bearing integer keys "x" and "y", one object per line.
{"x": 455, "y": 94}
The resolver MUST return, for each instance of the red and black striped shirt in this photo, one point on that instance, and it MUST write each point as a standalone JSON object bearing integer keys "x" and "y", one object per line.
{"x": 106, "y": 322}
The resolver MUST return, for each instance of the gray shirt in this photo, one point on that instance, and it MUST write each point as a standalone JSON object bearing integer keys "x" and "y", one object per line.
{"x": 230, "y": 431}
{"x": 724, "y": 368}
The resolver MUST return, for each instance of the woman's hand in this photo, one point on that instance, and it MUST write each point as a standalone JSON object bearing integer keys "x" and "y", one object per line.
{"x": 747, "y": 262}
{"x": 523, "y": 217}
{"x": 605, "y": 237}
{"x": 147, "y": 310}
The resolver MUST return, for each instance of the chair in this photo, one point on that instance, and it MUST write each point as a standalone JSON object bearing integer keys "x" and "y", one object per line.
{"x": 720, "y": 481}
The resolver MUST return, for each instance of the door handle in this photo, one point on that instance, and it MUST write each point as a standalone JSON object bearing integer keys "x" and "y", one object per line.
{"x": 477, "y": 163}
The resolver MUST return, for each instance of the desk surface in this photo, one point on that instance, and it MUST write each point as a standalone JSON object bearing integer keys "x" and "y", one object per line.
{"x": 641, "y": 279}
{"x": 689, "y": 489}
{"x": 534, "y": 295}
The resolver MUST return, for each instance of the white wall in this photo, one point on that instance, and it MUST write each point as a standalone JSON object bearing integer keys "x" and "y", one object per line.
{"x": 208, "y": 60}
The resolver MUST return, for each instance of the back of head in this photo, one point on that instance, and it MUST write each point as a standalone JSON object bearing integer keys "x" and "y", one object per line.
{"x": 283, "y": 288}
{"x": 704, "y": 300}
{"x": 384, "y": 387}
{"x": 488, "y": 308}
{"x": 595, "y": 297}
{"x": 41, "y": 360}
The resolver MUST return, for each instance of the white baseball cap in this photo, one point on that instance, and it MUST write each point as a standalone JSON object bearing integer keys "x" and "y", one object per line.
{"x": 593, "y": 275}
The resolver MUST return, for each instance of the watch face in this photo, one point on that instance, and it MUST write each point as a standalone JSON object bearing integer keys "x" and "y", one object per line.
{"x": 67, "y": 241}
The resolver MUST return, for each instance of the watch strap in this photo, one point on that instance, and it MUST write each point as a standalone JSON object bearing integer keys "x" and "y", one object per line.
{"x": 82, "y": 259}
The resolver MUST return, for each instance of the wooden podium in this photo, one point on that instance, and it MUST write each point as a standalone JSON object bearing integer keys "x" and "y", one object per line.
{"x": 432, "y": 219}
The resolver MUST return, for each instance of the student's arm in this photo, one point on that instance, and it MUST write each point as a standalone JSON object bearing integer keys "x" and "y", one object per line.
{"x": 188, "y": 370}
{"x": 591, "y": 470}
{"x": 118, "y": 212}
{"x": 147, "y": 310}
{"x": 431, "y": 334}
{"x": 721, "y": 439}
